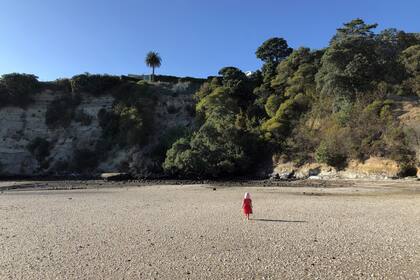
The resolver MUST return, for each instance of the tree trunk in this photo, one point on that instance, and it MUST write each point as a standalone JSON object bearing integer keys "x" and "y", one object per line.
{"x": 153, "y": 74}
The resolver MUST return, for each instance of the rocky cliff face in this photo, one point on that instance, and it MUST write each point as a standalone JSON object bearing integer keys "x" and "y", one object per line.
{"x": 20, "y": 127}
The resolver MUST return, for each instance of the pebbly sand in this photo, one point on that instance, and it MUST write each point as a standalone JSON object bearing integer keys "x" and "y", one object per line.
{"x": 366, "y": 230}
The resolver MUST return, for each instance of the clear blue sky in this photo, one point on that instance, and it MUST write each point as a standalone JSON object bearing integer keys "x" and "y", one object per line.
{"x": 61, "y": 38}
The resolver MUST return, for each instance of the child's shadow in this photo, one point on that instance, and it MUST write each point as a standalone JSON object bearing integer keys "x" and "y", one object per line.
{"x": 277, "y": 221}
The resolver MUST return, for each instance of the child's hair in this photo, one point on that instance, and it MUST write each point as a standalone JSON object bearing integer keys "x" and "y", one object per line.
{"x": 247, "y": 195}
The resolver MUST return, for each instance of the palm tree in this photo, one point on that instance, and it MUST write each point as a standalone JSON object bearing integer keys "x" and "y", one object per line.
{"x": 153, "y": 60}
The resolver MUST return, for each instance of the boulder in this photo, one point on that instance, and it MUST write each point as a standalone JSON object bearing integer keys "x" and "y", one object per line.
{"x": 283, "y": 171}
{"x": 374, "y": 168}
{"x": 315, "y": 171}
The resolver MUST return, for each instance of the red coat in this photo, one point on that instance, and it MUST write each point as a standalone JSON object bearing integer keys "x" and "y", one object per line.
{"x": 247, "y": 206}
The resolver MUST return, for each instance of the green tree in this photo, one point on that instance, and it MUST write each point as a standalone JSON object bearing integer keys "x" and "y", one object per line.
{"x": 294, "y": 89}
{"x": 217, "y": 149}
{"x": 280, "y": 125}
{"x": 355, "y": 28}
{"x": 398, "y": 40}
{"x": 351, "y": 65}
{"x": 153, "y": 60}
{"x": 273, "y": 50}
{"x": 411, "y": 61}
{"x": 225, "y": 143}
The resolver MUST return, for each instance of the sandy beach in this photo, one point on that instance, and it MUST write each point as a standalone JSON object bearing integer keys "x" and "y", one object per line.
{"x": 366, "y": 230}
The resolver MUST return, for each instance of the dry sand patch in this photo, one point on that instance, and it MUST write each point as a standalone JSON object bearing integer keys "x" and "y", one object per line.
{"x": 194, "y": 232}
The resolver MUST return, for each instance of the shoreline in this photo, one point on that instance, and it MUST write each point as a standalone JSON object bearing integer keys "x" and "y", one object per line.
{"x": 411, "y": 186}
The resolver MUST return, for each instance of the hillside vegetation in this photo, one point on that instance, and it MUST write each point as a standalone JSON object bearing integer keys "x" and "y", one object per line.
{"x": 328, "y": 106}
{"x": 332, "y": 106}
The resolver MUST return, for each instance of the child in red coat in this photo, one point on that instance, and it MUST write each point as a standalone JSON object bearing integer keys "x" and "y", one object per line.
{"x": 247, "y": 205}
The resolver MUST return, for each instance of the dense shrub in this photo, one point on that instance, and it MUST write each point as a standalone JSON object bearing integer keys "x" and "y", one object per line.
{"x": 142, "y": 83}
{"x": 61, "y": 111}
{"x": 18, "y": 89}
{"x": 280, "y": 125}
{"x": 130, "y": 122}
{"x": 215, "y": 150}
{"x": 85, "y": 160}
{"x": 94, "y": 84}
{"x": 300, "y": 146}
{"x": 192, "y": 80}
{"x": 83, "y": 118}
{"x": 166, "y": 79}
{"x": 133, "y": 79}
{"x": 133, "y": 124}
{"x": 190, "y": 110}
{"x": 171, "y": 109}
{"x": 411, "y": 61}
{"x": 166, "y": 140}
{"x": 331, "y": 153}
{"x": 134, "y": 93}
{"x": 174, "y": 79}
{"x": 107, "y": 121}
{"x": 372, "y": 128}
{"x": 61, "y": 167}
{"x": 59, "y": 85}
{"x": 63, "y": 85}
{"x": 40, "y": 150}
